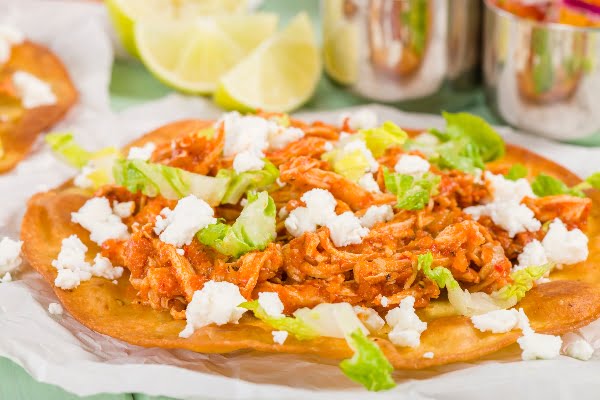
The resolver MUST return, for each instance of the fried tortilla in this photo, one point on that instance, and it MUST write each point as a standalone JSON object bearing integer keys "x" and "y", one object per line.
{"x": 570, "y": 301}
{"x": 19, "y": 127}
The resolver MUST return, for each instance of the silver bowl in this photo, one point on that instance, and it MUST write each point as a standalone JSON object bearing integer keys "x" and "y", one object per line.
{"x": 543, "y": 78}
{"x": 400, "y": 50}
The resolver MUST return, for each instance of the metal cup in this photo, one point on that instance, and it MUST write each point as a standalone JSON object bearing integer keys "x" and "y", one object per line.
{"x": 542, "y": 77}
{"x": 400, "y": 50}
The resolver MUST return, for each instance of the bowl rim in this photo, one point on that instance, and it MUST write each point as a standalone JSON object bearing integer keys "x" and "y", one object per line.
{"x": 492, "y": 7}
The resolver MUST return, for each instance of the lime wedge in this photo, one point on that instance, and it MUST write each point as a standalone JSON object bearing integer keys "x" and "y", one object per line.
{"x": 279, "y": 75}
{"x": 125, "y": 13}
{"x": 191, "y": 56}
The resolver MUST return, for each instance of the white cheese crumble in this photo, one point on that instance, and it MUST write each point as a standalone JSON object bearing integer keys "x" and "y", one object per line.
{"x": 124, "y": 209}
{"x": 97, "y": 217}
{"x": 270, "y": 302}
{"x": 428, "y": 355}
{"x": 565, "y": 247}
{"x": 248, "y": 160}
{"x": 71, "y": 265}
{"x": 279, "y": 337}
{"x": 412, "y": 165}
{"x": 82, "y": 179}
{"x": 216, "y": 303}
{"x": 362, "y": 119}
{"x": 534, "y": 345}
{"x": 344, "y": 229}
{"x": 376, "y": 214}
{"x": 405, "y": 323}
{"x": 370, "y": 318}
{"x": 281, "y": 137}
{"x": 181, "y": 252}
{"x": 245, "y": 133}
{"x": 103, "y": 268}
{"x": 142, "y": 153}
{"x": 368, "y": 183}
{"x": 33, "y": 91}
{"x": 178, "y": 226}
{"x": 55, "y": 309}
{"x": 10, "y": 255}
{"x": 538, "y": 346}
{"x": 505, "y": 210}
{"x": 579, "y": 348}
{"x": 6, "y": 278}
{"x": 384, "y": 301}
{"x": 320, "y": 206}
{"x": 328, "y": 146}
{"x": 9, "y": 37}
{"x": 73, "y": 268}
{"x": 533, "y": 255}
{"x": 497, "y": 321}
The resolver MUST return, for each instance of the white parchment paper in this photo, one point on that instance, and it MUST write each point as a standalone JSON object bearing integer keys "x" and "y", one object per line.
{"x": 60, "y": 351}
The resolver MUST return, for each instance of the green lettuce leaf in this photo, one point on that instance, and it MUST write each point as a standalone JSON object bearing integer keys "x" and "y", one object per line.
{"x": 295, "y": 326}
{"x": 517, "y": 171}
{"x": 594, "y": 180}
{"x": 239, "y": 184}
{"x": 464, "y": 125}
{"x": 464, "y": 302}
{"x": 65, "y": 147}
{"x": 254, "y": 229}
{"x": 411, "y": 193}
{"x": 546, "y": 185}
{"x": 380, "y": 139}
{"x": 523, "y": 281}
{"x": 368, "y": 366}
{"x": 351, "y": 165}
{"x": 154, "y": 179}
{"x": 458, "y": 154}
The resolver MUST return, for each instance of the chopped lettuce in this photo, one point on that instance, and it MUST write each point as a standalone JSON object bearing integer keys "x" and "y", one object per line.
{"x": 517, "y": 171}
{"x": 65, "y": 147}
{"x": 523, "y": 281}
{"x": 411, "y": 193}
{"x": 295, "y": 326}
{"x": 154, "y": 179}
{"x": 254, "y": 229}
{"x": 489, "y": 143}
{"x": 351, "y": 165}
{"x": 466, "y": 144}
{"x": 380, "y": 139}
{"x": 96, "y": 166}
{"x": 239, "y": 184}
{"x": 546, "y": 185}
{"x": 368, "y": 366}
{"x": 469, "y": 304}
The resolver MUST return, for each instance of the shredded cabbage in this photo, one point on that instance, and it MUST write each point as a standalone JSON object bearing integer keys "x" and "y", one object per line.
{"x": 517, "y": 171}
{"x": 249, "y": 180}
{"x": 154, "y": 179}
{"x": 351, "y": 165}
{"x": 295, "y": 326}
{"x": 254, "y": 229}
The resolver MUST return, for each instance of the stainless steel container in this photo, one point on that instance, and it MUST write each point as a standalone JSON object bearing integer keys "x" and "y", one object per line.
{"x": 399, "y": 50}
{"x": 542, "y": 78}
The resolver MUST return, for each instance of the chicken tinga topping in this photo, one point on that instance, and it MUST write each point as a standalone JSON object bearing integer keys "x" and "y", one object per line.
{"x": 321, "y": 230}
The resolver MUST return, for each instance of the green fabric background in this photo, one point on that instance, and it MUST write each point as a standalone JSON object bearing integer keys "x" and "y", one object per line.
{"x": 131, "y": 85}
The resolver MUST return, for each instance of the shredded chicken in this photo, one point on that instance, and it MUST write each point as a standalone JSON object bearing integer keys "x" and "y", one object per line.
{"x": 309, "y": 269}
